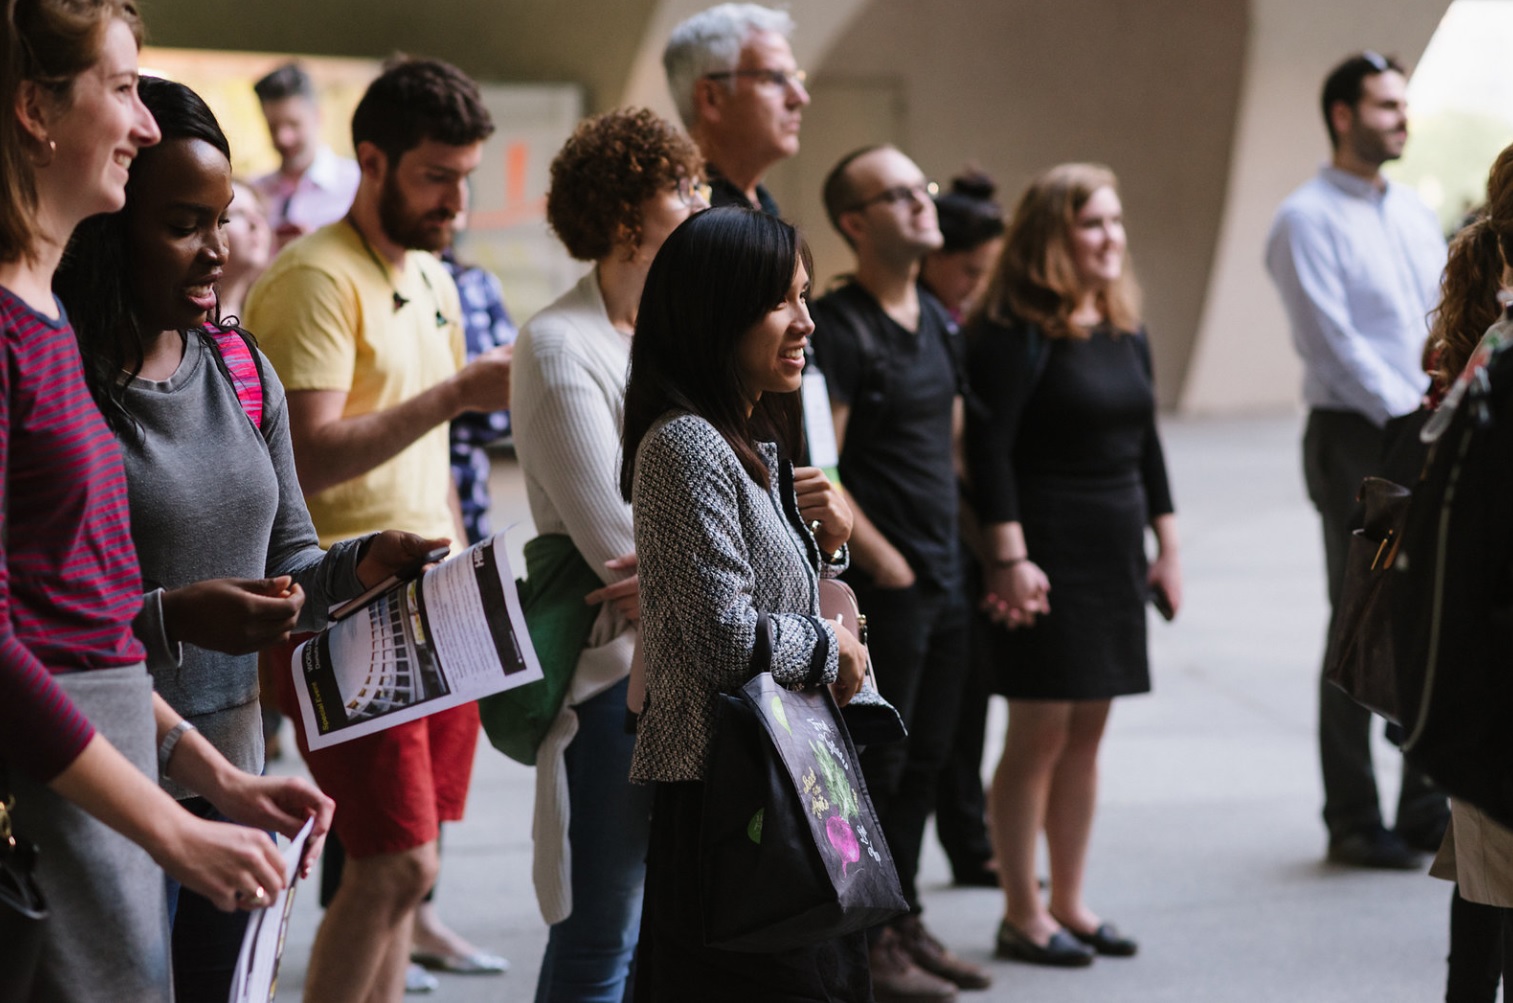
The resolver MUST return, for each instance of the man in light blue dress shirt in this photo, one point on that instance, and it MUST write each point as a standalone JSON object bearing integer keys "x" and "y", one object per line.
{"x": 1357, "y": 261}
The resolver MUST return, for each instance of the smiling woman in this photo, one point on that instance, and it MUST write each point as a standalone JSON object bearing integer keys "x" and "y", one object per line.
{"x": 79, "y": 723}
{"x": 227, "y": 550}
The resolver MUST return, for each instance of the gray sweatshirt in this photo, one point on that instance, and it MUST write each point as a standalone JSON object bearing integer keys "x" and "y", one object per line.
{"x": 212, "y": 497}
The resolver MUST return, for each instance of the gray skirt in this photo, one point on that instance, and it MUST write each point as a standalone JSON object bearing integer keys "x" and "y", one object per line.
{"x": 107, "y": 929}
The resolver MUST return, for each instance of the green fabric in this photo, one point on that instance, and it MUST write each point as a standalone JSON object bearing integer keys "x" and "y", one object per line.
{"x": 551, "y": 596}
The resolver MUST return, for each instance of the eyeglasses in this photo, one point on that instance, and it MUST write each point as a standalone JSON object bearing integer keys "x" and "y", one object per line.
{"x": 920, "y": 190}
{"x": 695, "y": 194}
{"x": 778, "y": 78}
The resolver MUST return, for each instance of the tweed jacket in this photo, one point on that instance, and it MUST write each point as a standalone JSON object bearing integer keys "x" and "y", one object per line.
{"x": 715, "y": 551}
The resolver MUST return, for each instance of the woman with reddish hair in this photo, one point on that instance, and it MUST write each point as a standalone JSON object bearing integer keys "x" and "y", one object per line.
{"x": 1067, "y": 474}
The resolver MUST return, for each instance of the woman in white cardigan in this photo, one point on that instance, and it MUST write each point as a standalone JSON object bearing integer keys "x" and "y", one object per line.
{"x": 620, "y": 185}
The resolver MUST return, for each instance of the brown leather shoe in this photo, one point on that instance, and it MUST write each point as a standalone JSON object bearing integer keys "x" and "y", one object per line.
{"x": 936, "y": 958}
{"x": 897, "y": 979}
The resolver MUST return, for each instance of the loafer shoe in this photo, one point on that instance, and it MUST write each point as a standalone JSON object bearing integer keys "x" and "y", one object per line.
{"x": 1374, "y": 847}
{"x": 1108, "y": 941}
{"x": 1062, "y": 951}
{"x": 938, "y": 959}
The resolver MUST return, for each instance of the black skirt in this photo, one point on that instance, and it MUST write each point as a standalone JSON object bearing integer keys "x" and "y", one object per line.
{"x": 1088, "y": 536}
{"x": 674, "y": 966}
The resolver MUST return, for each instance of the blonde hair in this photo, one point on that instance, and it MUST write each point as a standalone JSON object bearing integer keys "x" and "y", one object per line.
{"x": 1036, "y": 279}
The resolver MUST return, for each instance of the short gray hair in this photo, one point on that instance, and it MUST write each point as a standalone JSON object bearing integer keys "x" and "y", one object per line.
{"x": 711, "y": 42}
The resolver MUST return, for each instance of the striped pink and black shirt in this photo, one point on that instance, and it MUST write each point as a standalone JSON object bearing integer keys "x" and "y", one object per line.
{"x": 69, "y": 582}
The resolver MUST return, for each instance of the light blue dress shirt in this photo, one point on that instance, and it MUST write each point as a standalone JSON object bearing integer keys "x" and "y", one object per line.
{"x": 1358, "y": 269}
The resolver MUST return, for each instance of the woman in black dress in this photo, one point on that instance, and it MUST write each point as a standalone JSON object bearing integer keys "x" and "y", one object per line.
{"x": 1067, "y": 472}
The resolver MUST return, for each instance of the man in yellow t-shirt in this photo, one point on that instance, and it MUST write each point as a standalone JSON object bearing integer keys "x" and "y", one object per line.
{"x": 364, "y": 328}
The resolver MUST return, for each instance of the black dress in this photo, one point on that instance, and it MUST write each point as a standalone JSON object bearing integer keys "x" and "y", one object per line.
{"x": 1063, "y": 440}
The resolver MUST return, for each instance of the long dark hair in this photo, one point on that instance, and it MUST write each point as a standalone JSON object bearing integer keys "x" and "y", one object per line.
{"x": 93, "y": 278}
{"x": 715, "y": 277}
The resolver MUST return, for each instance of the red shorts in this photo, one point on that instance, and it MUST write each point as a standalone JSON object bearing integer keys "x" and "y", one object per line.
{"x": 394, "y": 788}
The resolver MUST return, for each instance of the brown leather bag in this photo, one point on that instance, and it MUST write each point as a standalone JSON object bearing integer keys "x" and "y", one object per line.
{"x": 1359, "y": 659}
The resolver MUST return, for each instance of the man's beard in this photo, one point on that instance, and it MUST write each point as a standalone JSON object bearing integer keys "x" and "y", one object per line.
{"x": 1375, "y": 147}
{"x": 408, "y": 229}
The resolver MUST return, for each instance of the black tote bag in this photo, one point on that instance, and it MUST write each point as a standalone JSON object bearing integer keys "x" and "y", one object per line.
{"x": 791, "y": 851}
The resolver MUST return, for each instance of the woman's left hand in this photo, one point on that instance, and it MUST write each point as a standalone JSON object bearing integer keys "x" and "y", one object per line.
{"x": 1165, "y": 578}
{"x": 393, "y": 552}
{"x": 625, "y": 594}
{"x": 281, "y": 804}
{"x": 822, "y": 502}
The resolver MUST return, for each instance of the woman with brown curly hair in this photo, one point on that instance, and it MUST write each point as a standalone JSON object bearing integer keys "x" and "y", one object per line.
{"x": 620, "y": 185}
{"x": 1067, "y": 473}
{"x": 1477, "y": 853}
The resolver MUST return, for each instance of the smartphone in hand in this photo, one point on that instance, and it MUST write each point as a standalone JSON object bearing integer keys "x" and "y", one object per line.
{"x": 408, "y": 572}
{"x": 1162, "y": 602}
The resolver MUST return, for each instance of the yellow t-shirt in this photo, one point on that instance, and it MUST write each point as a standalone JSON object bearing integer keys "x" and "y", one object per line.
{"x": 324, "y": 315}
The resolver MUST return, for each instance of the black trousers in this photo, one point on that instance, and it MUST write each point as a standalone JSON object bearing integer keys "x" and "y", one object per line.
{"x": 1481, "y": 946}
{"x": 918, "y": 642}
{"x": 1340, "y": 448}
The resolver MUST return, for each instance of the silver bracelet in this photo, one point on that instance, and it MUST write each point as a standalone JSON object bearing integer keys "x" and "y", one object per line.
{"x": 171, "y": 742}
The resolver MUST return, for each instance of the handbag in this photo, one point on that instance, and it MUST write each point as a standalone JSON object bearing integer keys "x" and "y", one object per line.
{"x": 791, "y": 851}
{"x": 22, "y": 909}
{"x": 1359, "y": 657}
{"x": 559, "y": 621}
{"x": 869, "y": 718}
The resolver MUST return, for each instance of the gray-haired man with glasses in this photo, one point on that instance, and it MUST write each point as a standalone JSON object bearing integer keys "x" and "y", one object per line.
{"x": 740, "y": 94}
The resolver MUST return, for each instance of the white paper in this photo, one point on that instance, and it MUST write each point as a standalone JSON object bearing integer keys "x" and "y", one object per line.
{"x": 256, "y": 977}
{"x": 819, "y": 424}
{"x": 452, "y": 636}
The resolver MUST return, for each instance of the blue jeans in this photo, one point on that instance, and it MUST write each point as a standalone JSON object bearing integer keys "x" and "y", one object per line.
{"x": 588, "y": 955}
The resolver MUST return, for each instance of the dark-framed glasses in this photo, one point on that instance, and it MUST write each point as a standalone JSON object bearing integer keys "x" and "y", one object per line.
{"x": 923, "y": 191}
{"x": 778, "y": 78}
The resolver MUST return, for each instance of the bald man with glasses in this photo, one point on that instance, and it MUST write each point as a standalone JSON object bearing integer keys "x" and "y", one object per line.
{"x": 891, "y": 355}
{"x": 740, "y": 94}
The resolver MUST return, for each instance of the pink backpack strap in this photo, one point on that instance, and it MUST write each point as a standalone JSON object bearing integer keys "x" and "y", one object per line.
{"x": 246, "y": 376}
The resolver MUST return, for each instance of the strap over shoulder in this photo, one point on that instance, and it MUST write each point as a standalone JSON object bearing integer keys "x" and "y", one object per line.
{"x": 240, "y": 363}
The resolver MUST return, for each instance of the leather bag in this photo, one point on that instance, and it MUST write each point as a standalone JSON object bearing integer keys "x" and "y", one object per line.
{"x": 22, "y": 909}
{"x": 870, "y": 721}
{"x": 790, "y": 848}
{"x": 1359, "y": 658}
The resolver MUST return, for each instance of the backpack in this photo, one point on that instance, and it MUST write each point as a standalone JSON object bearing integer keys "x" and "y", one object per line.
{"x": 851, "y": 307}
{"x": 242, "y": 366}
{"x": 1451, "y": 594}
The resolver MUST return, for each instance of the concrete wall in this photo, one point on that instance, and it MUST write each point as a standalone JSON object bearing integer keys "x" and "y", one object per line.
{"x": 1244, "y": 359}
{"x": 1020, "y": 85}
{"x": 1205, "y": 109}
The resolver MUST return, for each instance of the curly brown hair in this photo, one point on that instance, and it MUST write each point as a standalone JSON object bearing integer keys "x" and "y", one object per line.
{"x": 608, "y": 167}
{"x": 1473, "y": 275}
